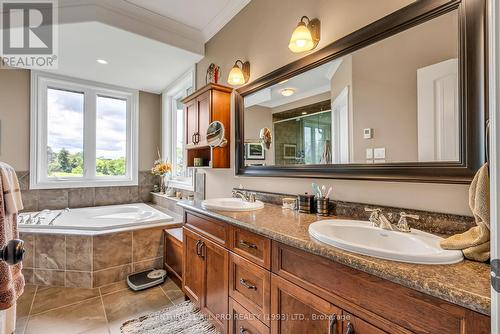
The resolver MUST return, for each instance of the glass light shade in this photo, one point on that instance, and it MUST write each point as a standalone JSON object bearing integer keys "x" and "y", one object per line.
{"x": 301, "y": 39}
{"x": 236, "y": 76}
{"x": 287, "y": 92}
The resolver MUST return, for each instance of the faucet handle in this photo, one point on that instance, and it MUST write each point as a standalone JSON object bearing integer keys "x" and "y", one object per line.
{"x": 373, "y": 210}
{"x": 402, "y": 225}
{"x": 406, "y": 215}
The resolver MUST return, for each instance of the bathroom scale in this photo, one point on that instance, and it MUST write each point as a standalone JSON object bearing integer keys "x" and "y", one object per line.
{"x": 146, "y": 279}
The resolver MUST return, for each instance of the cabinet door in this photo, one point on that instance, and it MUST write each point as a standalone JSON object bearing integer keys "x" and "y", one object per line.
{"x": 204, "y": 116}
{"x": 192, "y": 266}
{"x": 295, "y": 310}
{"x": 191, "y": 115}
{"x": 215, "y": 282}
{"x": 352, "y": 325}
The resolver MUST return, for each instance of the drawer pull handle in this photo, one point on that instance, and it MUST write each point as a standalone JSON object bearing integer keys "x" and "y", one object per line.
{"x": 332, "y": 325}
{"x": 246, "y": 285}
{"x": 198, "y": 247}
{"x": 202, "y": 252}
{"x": 350, "y": 328}
{"x": 242, "y": 330}
{"x": 247, "y": 244}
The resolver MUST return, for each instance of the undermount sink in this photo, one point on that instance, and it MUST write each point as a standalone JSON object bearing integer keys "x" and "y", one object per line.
{"x": 231, "y": 204}
{"x": 363, "y": 238}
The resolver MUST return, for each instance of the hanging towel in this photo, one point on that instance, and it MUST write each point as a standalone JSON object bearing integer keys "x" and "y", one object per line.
{"x": 475, "y": 243}
{"x": 11, "y": 189}
{"x": 11, "y": 278}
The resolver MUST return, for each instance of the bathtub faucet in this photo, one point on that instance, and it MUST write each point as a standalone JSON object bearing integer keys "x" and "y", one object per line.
{"x": 57, "y": 216}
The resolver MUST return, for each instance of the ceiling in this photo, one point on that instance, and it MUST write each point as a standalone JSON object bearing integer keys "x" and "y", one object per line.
{"x": 134, "y": 61}
{"x": 147, "y": 43}
{"x": 207, "y": 16}
{"x": 310, "y": 83}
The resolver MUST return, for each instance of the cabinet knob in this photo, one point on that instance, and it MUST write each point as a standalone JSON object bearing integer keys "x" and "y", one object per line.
{"x": 332, "y": 324}
{"x": 247, "y": 285}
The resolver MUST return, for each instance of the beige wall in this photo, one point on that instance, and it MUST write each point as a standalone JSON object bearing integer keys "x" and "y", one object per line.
{"x": 15, "y": 121}
{"x": 260, "y": 34}
{"x": 384, "y": 86}
{"x": 149, "y": 129}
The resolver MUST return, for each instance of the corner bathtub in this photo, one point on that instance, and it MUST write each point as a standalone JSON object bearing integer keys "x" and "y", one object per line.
{"x": 93, "y": 247}
{"x": 103, "y": 218}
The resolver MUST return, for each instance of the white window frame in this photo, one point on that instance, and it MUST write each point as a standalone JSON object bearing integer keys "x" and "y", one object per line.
{"x": 169, "y": 130}
{"x": 39, "y": 178}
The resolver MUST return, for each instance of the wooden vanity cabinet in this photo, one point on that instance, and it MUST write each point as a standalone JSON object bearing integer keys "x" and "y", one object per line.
{"x": 227, "y": 272}
{"x": 192, "y": 269}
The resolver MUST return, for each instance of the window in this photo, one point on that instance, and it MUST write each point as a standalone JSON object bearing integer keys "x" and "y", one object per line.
{"x": 174, "y": 131}
{"x": 83, "y": 134}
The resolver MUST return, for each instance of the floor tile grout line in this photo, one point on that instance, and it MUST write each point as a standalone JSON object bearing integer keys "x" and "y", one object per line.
{"x": 29, "y": 312}
{"x": 60, "y": 307}
{"x": 104, "y": 310}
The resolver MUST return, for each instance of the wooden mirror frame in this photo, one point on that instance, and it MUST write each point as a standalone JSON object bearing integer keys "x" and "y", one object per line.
{"x": 472, "y": 98}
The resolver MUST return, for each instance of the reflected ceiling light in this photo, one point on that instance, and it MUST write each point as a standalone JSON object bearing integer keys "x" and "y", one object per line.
{"x": 305, "y": 37}
{"x": 239, "y": 75}
{"x": 283, "y": 81}
{"x": 102, "y": 61}
{"x": 287, "y": 92}
{"x": 304, "y": 113}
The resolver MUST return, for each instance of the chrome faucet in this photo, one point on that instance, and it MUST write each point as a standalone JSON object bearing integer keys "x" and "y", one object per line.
{"x": 244, "y": 195}
{"x": 378, "y": 219}
{"x": 57, "y": 216}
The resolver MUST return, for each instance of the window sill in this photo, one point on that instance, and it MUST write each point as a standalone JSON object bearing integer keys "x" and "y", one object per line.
{"x": 83, "y": 184}
{"x": 181, "y": 185}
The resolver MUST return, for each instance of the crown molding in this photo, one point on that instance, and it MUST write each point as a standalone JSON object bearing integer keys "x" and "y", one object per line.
{"x": 232, "y": 8}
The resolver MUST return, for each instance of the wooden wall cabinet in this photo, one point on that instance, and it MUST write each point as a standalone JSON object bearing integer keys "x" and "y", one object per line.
{"x": 208, "y": 104}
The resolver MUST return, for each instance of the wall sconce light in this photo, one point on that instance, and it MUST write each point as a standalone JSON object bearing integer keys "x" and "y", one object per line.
{"x": 306, "y": 36}
{"x": 239, "y": 75}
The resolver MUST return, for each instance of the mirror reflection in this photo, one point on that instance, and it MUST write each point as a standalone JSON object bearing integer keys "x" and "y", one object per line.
{"x": 393, "y": 101}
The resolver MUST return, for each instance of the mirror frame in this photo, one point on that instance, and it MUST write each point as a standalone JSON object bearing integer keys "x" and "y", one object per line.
{"x": 472, "y": 98}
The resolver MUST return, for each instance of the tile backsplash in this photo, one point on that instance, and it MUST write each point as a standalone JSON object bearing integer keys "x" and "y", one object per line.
{"x": 34, "y": 200}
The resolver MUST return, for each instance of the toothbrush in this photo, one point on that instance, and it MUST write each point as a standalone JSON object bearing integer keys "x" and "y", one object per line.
{"x": 316, "y": 189}
{"x": 323, "y": 190}
{"x": 328, "y": 193}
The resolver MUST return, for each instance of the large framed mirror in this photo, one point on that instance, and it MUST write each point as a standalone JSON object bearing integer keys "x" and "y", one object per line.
{"x": 402, "y": 99}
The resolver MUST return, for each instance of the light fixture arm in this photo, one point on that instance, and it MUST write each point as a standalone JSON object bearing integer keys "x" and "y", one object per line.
{"x": 245, "y": 68}
{"x": 305, "y": 18}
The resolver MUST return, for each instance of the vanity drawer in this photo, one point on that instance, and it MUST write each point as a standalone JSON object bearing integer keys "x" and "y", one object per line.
{"x": 251, "y": 246}
{"x": 213, "y": 229}
{"x": 250, "y": 286}
{"x": 242, "y": 321}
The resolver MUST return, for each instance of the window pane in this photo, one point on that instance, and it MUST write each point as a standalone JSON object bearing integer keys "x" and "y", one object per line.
{"x": 111, "y": 136}
{"x": 179, "y": 140}
{"x": 64, "y": 133}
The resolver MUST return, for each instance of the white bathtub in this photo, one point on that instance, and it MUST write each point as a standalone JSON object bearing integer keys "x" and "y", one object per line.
{"x": 101, "y": 218}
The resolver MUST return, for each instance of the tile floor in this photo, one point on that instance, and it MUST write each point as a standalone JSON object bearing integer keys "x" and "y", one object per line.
{"x": 58, "y": 310}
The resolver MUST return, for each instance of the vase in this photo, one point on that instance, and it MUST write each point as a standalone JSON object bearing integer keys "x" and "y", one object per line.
{"x": 162, "y": 184}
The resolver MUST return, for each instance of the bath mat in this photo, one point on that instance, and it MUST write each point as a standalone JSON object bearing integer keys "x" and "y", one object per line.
{"x": 184, "y": 318}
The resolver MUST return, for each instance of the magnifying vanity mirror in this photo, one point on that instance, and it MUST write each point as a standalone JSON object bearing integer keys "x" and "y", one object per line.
{"x": 390, "y": 101}
{"x": 216, "y": 135}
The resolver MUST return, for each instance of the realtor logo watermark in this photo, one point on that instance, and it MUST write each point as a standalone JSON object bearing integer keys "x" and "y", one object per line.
{"x": 29, "y": 36}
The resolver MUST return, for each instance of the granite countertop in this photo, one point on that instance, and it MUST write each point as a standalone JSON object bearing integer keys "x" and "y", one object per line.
{"x": 466, "y": 284}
